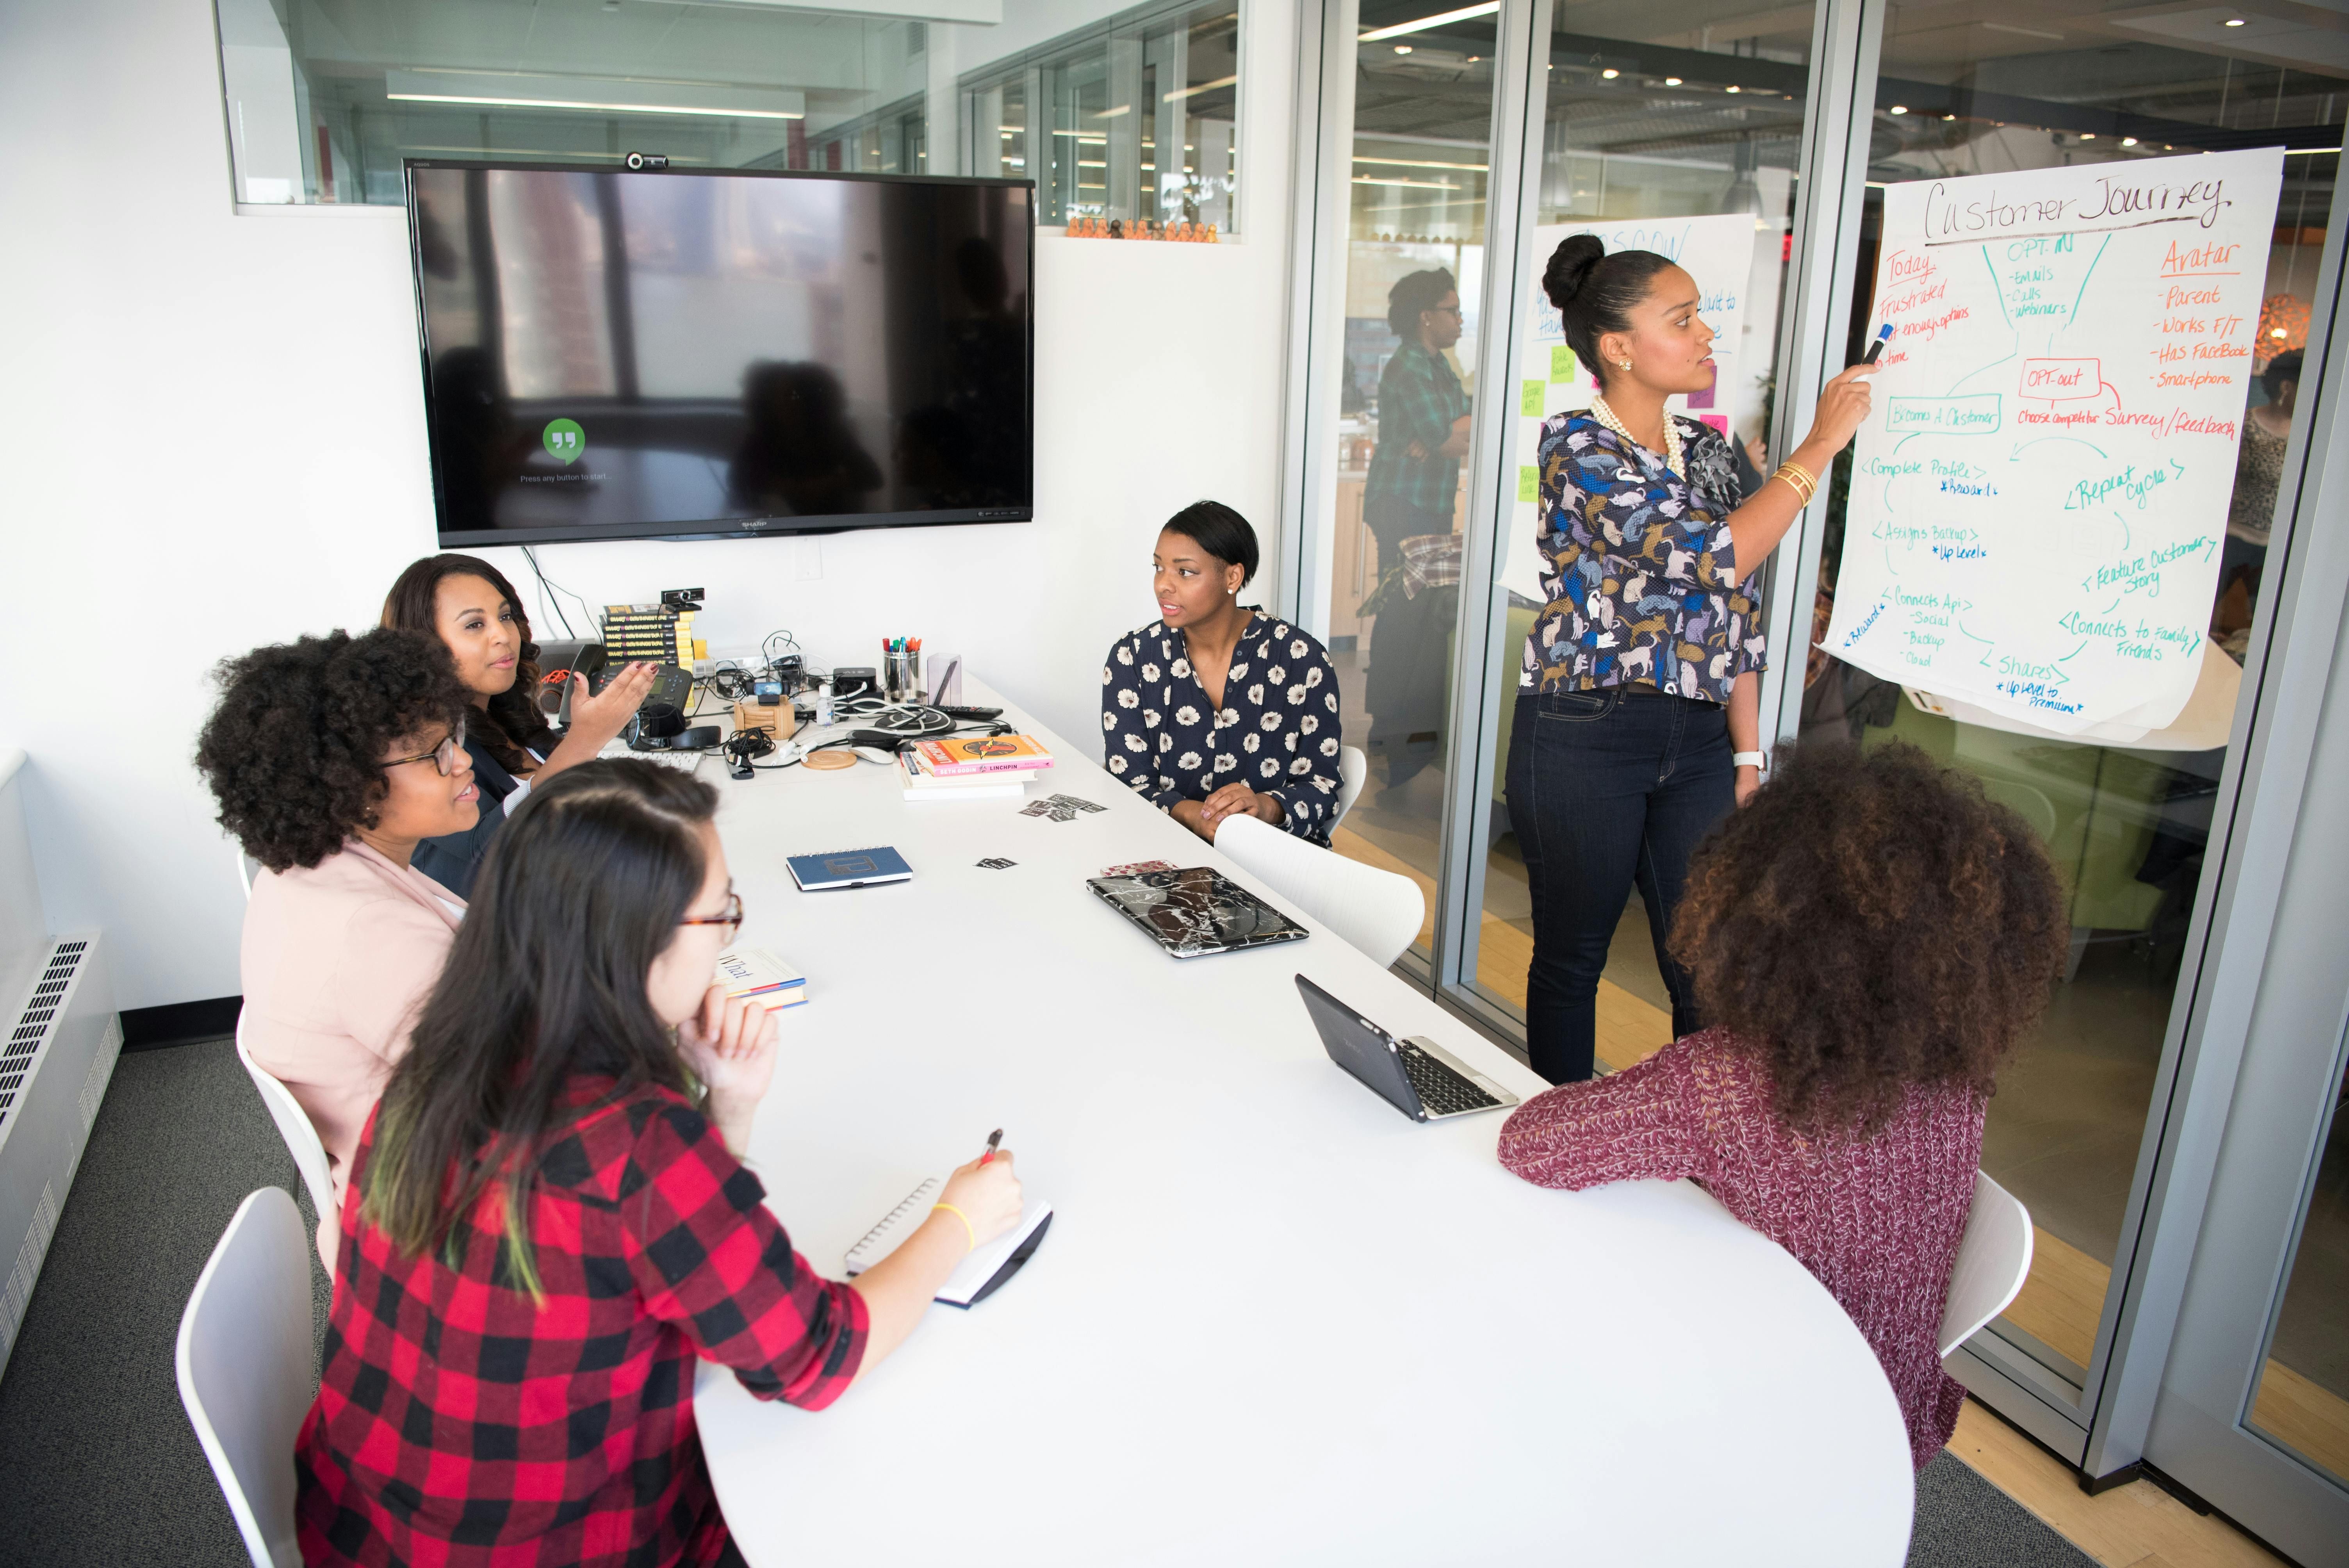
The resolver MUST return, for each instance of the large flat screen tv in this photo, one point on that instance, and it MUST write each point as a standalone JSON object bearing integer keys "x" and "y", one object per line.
{"x": 711, "y": 354}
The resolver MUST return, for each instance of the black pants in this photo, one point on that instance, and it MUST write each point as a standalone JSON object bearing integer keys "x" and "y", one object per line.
{"x": 1607, "y": 790}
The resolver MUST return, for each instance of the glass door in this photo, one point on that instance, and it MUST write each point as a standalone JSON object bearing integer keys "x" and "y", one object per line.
{"x": 2000, "y": 85}
{"x": 1413, "y": 275}
{"x": 1685, "y": 140}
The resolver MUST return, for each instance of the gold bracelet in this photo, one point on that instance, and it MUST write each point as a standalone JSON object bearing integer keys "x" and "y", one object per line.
{"x": 1798, "y": 476}
{"x": 1799, "y": 479}
{"x": 967, "y": 1226}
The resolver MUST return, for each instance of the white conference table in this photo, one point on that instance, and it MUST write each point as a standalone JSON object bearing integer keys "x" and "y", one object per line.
{"x": 1274, "y": 1321}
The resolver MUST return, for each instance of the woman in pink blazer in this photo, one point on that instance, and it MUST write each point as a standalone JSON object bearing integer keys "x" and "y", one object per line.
{"x": 331, "y": 759}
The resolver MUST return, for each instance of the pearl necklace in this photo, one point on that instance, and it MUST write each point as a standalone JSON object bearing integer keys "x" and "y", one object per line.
{"x": 1672, "y": 457}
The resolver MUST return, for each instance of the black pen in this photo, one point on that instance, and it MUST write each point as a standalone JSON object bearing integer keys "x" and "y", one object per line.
{"x": 1883, "y": 337}
{"x": 993, "y": 1139}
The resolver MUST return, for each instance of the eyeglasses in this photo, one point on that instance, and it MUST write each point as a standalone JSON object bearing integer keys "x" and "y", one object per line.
{"x": 731, "y": 919}
{"x": 443, "y": 756}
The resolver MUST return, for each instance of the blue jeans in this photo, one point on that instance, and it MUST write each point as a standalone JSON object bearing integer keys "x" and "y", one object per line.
{"x": 1607, "y": 790}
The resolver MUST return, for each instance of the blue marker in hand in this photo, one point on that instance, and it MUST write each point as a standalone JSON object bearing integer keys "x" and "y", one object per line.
{"x": 1883, "y": 337}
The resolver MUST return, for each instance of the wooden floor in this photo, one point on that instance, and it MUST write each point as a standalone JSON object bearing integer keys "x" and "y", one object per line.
{"x": 2134, "y": 1526}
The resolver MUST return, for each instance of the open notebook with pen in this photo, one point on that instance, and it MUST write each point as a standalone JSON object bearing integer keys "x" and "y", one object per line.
{"x": 979, "y": 1275}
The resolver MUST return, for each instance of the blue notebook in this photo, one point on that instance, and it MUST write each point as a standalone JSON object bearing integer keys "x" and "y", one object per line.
{"x": 849, "y": 867}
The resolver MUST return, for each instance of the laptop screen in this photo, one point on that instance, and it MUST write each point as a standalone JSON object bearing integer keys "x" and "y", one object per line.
{"x": 1361, "y": 1046}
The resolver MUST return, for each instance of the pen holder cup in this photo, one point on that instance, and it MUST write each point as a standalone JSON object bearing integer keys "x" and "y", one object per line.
{"x": 902, "y": 676}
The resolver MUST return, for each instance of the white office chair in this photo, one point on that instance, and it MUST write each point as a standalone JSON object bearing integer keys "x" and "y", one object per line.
{"x": 245, "y": 1373}
{"x": 1378, "y": 911}
{"x": 303, "y": 1142}
{"x": 1353, "y": 767}
{"x": 1993, "y": 1260}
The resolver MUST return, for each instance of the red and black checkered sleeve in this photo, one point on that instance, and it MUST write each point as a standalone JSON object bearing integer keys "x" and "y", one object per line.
{"x": 709, "y": 1258}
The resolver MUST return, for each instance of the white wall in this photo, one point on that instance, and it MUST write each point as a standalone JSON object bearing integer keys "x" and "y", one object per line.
{"x": 212, "y": 435}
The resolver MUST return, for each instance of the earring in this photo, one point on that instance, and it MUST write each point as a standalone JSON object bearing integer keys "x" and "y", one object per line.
{"x": 1624, "y": 364}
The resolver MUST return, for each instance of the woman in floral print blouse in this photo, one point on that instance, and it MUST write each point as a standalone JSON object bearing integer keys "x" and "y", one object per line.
{"x": 1637, "y": 723}
{"x": 1214, "y": 711}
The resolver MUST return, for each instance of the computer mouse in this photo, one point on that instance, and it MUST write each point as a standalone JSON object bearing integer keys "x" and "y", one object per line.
{"x": 875, "y": 754}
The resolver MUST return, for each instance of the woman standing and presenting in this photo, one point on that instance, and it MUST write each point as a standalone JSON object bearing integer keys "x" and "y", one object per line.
{"x": 469, "y": 605}
{"x": 1634, "y": 732}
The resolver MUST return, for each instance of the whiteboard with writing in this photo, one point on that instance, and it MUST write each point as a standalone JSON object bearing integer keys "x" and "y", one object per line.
{"x": 1717, "y": 250}
{"x": 2039, "y": 497}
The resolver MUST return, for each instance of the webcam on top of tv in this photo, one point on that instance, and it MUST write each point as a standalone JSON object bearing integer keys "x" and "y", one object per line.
{"x": 639, "y": 161}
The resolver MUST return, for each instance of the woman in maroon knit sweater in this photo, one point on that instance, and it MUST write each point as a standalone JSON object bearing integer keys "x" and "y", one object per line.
{"x": 1870, "y": 937}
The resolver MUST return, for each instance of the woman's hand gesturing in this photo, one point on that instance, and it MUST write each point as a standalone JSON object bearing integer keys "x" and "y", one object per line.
{"x": 1844, "y": 403}
{"x": 597, "y": 718}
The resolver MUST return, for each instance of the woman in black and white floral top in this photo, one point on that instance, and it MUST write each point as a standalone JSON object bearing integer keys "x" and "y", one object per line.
{"x": 1214, "y": 711}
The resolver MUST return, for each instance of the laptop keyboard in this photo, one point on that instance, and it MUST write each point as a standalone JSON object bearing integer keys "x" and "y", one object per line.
{"x": 1442, "y": 1091}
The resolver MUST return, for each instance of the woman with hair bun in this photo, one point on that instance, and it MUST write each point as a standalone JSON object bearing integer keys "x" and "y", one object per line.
{"x": 1870, "y": 939}
{"x": 1638, "y": 723}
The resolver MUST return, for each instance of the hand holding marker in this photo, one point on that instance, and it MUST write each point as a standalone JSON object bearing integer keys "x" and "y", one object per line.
{"x": 1883, "y": 337}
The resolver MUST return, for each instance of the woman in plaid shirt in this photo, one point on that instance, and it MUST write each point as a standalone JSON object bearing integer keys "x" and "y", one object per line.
{"x": 549, "y": 1219}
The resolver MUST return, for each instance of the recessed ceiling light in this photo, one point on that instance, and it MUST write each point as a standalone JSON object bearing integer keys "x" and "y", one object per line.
{"x": 2129, "y": 141}
{"x": 2087, "y": 136}
{"x": 1671, "y": 81}
{"x": 2234, "y": 21}
{"x": 1403, "y": 48}
{"x": 1733, "y": 89}
{"x": 1610, "y": 74}
{"x": 2275, "y": 332}
{"x": 1949, "y": 116}
{"x": 1473, "y": 59}
{"x": 1900, "y": 108}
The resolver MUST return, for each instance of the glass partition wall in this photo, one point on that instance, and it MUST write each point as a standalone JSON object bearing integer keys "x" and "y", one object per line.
{"x": 1983, "y": 89}
{"x": 1697, "y": 124}
{"x": 1413, "y": 276}
{"x": 325, "y": 98}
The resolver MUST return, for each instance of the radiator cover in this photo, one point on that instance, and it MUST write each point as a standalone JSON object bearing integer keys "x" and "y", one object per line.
{"x": 56, "y": 1060}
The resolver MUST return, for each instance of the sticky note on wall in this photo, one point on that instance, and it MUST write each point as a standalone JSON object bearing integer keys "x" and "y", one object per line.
{"x": 1561, "y": 363}
{"x": 1529, "y": 399}
{"x": 1528, "y": 484}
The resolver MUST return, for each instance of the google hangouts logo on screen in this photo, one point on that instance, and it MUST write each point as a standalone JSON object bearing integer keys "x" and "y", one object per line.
{"x": 564, "y": 440}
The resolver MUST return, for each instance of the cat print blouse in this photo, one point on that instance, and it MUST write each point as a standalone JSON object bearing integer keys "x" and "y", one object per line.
{"x": 1640, "y": 576}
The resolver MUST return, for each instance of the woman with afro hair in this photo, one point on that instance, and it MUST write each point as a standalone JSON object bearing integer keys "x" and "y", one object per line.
{"x": 332, "y": 758}
{"x": 1870, "y": 937}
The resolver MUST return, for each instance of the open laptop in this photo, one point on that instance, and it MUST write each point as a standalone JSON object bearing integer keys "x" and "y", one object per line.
{"x": 1417, "y": 1077}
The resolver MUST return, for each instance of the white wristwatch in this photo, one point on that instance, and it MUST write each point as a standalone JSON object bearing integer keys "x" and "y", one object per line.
{"x": 1760, "y": 759}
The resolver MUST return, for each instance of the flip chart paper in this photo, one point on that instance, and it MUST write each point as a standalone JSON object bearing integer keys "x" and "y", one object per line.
{"x": 1718, "y": 251}
{"x": 2039, "y": 497}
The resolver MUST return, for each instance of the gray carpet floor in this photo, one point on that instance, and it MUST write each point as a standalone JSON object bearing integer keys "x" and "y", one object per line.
{"x": 102, "y": 1468}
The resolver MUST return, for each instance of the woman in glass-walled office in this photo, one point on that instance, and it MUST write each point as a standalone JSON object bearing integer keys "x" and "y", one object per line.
{"x": 1639, "y": 723}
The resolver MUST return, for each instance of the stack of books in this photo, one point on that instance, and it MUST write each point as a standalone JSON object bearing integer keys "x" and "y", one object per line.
{"x": 755, "y": 972}
{"x": 649, "y": 632}
{"x": 971, "y": 766}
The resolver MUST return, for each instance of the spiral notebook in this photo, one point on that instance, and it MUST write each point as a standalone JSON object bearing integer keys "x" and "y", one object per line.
{"x": 979, "y": 1275}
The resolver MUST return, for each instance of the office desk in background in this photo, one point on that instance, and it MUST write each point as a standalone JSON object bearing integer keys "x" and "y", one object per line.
{"x": 1274, "y": 1322}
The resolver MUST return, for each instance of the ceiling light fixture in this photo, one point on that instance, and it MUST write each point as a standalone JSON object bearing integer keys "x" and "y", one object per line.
{"x": 1900, "y": 108}
{"x": 1403, "y": 48}
{"x": 1733, "y": 89}
{"x": 2234, "y": 21}
{"x": 2087, "y": 136}
{"x": 1671, "y": 81}
{"x": 2129, "y": 141}
{"x": 1181, "y": 93}
{"x": 1376, "y": 35}
{"x": 1610, "y": 74}
{"x": 595, "y": 108}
